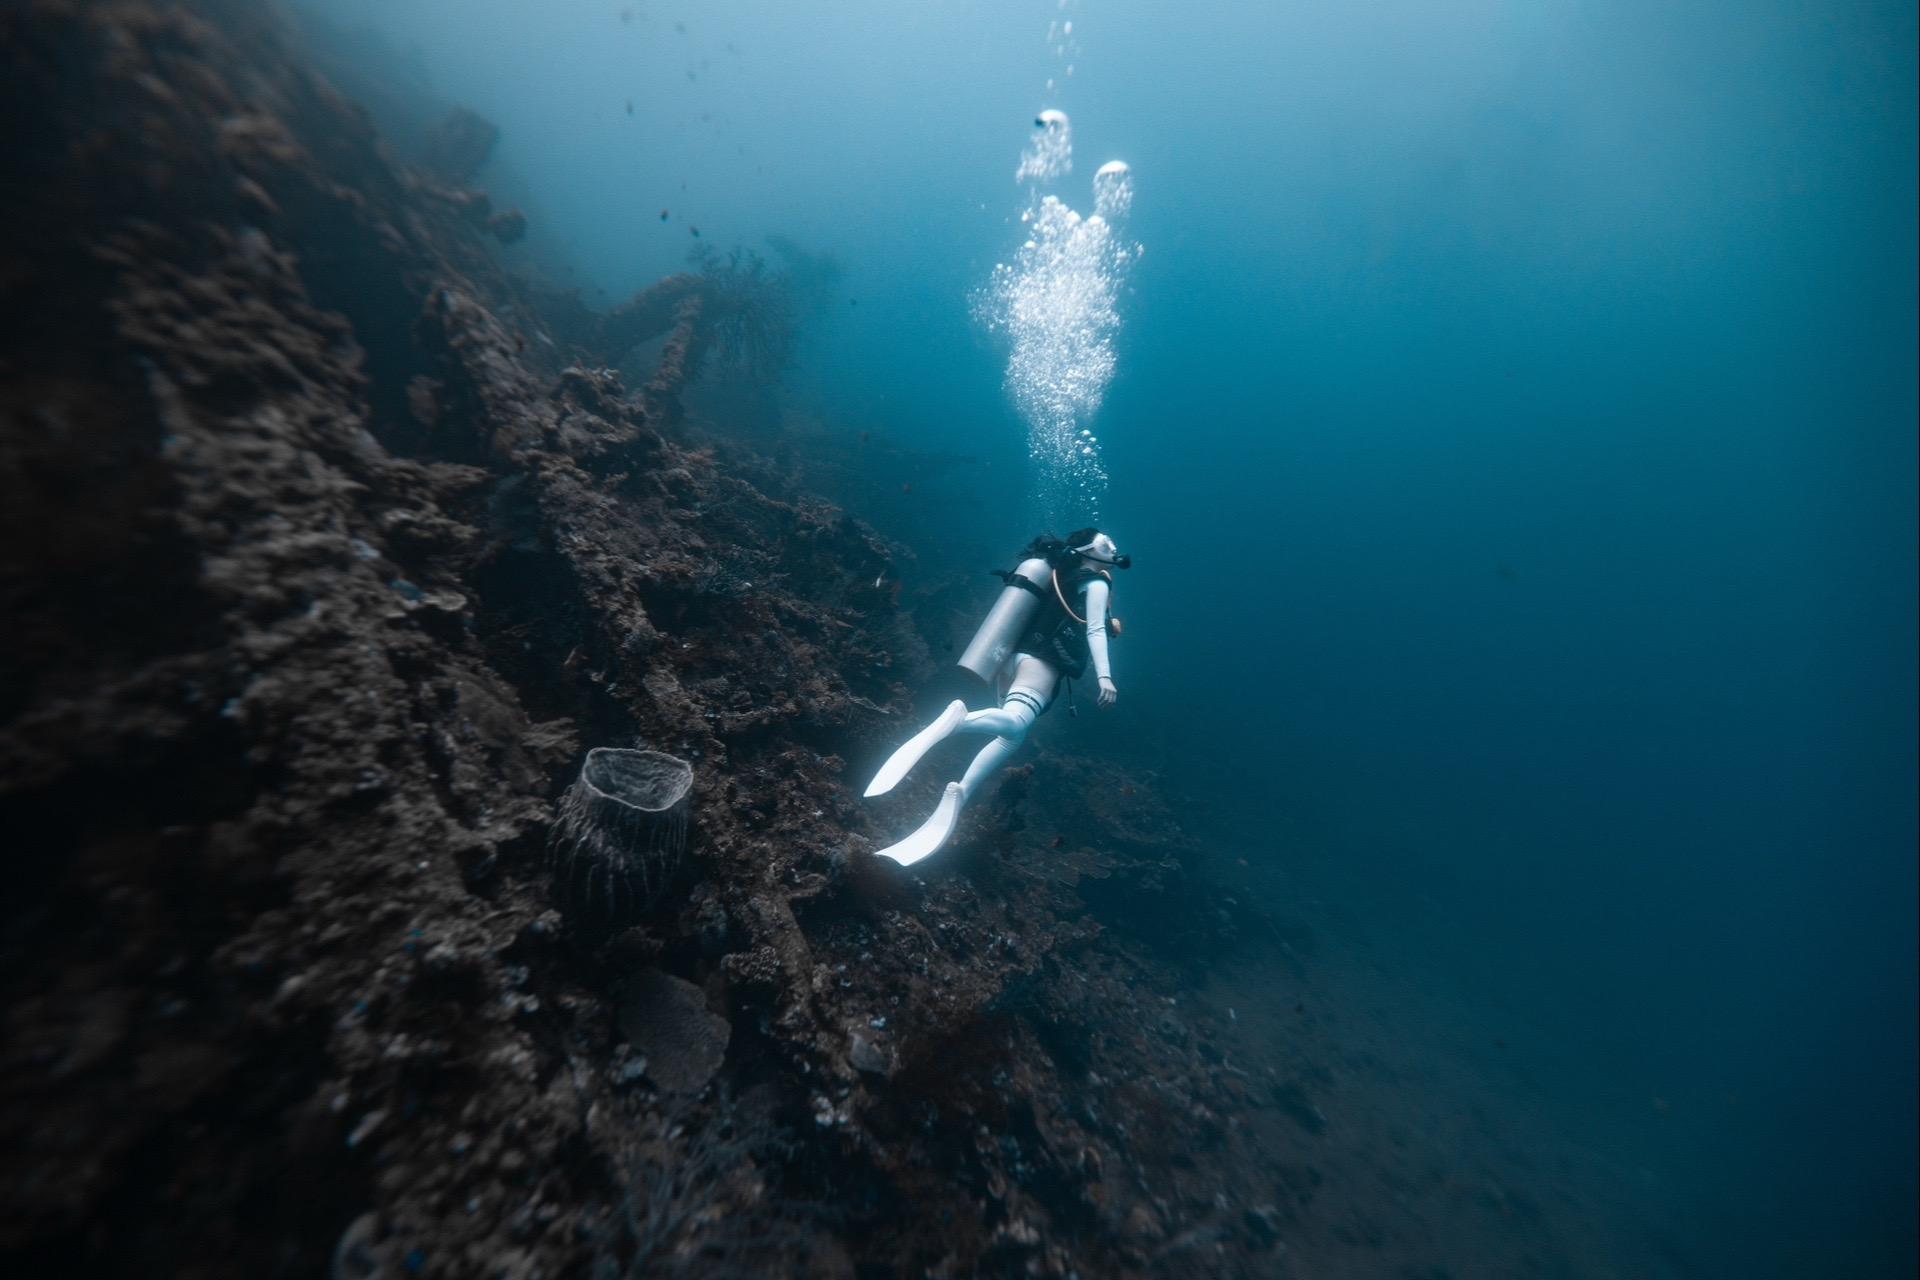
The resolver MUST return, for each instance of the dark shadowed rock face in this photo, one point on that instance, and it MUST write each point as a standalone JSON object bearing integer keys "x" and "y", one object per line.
{"x": 327, "y": 550}
{"x": 461, "y": 144}
{"x": 508, "y": 226}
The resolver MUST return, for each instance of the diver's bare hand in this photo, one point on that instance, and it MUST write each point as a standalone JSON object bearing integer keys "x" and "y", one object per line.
{"x": 1109, "y": 694}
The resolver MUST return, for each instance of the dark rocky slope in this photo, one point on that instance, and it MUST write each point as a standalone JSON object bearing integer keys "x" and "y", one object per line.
{"x": 323, "y": 564}
{"x": 327, "y": 549}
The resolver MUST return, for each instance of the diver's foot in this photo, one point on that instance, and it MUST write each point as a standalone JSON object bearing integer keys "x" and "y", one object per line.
{"x": 933, "y": 833}
{"x": 901, "y": 762}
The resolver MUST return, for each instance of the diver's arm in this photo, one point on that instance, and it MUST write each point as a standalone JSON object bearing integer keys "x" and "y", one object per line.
{"x": 1097, "y": 593}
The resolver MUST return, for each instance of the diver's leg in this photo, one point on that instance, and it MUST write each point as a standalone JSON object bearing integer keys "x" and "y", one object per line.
{"x": 985, "y": 764}
{"x": 1032, "y": 687}
{"x": 1027, "y": 696}
{"x": 1030, "y": 684}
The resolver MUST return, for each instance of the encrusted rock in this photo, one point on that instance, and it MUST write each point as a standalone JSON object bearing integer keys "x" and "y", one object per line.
{"x": 759, "y": 967}
{"x": 667, "y": 1020}
{"x": 868, "y": 1056}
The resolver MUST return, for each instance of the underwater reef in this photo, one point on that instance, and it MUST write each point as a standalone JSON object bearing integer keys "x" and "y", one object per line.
{"x": 330, "y": 548}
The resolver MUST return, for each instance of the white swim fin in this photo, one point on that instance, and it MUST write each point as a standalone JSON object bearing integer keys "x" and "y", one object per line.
{"x": 901, "y": 762}
{"x": 933, "y": 832}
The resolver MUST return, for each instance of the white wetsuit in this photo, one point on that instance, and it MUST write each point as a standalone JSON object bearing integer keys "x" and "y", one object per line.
{"x": 1029, "y": 683}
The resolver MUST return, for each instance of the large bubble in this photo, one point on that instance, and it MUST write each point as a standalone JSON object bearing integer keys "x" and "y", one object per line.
{"x": 1050, "y": 153}
{"x": 1113, "y": 190}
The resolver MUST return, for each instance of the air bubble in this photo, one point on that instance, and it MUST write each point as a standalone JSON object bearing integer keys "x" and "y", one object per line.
{"x": 1113, "y": 190}
{"x": 1056, "y": 302}
{"x": 1050, "y": 154}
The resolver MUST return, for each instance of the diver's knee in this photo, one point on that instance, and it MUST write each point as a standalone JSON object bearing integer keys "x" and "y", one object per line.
{"x": 1022, "y": 708}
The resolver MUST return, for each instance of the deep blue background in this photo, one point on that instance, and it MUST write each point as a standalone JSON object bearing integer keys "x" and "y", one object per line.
{"x": 1515, "y": 428}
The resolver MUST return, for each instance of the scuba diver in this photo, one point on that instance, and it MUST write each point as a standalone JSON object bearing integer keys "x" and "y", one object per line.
{"x": 1048, "y": 624}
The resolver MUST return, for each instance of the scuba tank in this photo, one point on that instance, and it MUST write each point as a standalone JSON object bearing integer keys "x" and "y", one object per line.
{"x": 1004, "y": 624}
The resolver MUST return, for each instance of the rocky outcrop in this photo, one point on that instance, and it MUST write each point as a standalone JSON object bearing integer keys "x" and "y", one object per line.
{"x": 461, "y": 144}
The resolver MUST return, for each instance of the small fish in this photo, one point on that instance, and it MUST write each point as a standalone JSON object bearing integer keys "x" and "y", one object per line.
{"x": 865, "y": 436}
{"x": 1300, "y": 1007}
{"x": 629, "y": 106}
{"x": 906, "y": 488}
{"x": 853, "y": 302}
{"x": 877, "y": 581}
{"x": 1059, "y": 841}
{"x": 663, "y": 215}
{"x": 680, "y": 28}
{"x": 519, "y": 343}
{"x": 626, "y": 16}
{"x": 695, "y": 230}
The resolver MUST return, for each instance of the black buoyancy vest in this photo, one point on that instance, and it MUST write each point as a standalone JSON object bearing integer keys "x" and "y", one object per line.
{"x": 1055, "y": 635}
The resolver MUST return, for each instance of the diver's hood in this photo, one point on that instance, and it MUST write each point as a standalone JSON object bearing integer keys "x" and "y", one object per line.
{"x": 1102, "y": 549}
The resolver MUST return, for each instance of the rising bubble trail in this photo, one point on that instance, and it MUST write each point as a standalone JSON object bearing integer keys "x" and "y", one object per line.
{"x": 1056, "y": 302}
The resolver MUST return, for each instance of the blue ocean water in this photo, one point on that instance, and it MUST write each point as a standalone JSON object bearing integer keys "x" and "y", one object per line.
{"x": 1512, "y": 416}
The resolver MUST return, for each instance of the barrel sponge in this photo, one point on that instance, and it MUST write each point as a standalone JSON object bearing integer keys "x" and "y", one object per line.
{"x": 622, "y": 829}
